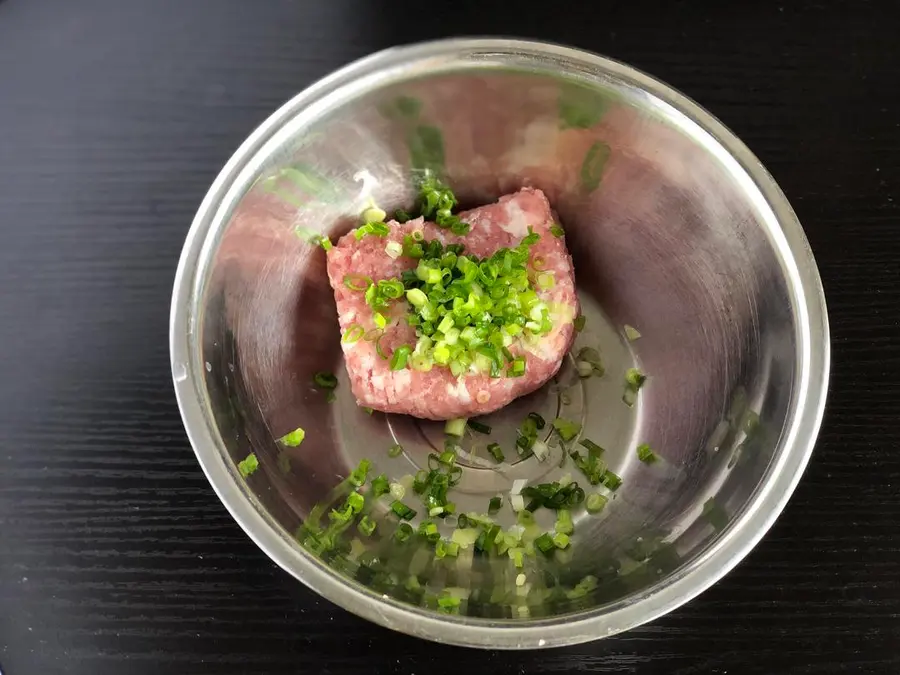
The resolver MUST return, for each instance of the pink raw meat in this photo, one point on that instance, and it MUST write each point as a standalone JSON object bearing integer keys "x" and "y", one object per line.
{"x": 438, "y": 394}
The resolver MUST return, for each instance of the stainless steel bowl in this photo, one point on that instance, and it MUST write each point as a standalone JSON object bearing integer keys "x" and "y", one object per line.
{"x": 675, "y": 228}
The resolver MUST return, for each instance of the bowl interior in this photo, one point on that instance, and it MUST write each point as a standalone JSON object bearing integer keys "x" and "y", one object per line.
{"x": 668, "y": 234}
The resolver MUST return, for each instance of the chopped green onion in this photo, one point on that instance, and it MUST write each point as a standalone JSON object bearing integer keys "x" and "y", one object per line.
{"x": 553, "y": 495}
{"x": 374, "y": 215}
{"x": 402, "y": 216}
{"x": 379, "y": 349}
{"x": 366, "y": 526}
{"x": 403, "y": 532}
{"x": 595, "y": 503}
{"x": 368, "y": 410}
{"x": 495, "y": 504}
{"x": 293, "y": 438}
{"x": 325, "y": 380}
{"x": 579, "y": 322}
{"x": 353, "y": 333}
{"x": 248, "y": 465}
{"x": 358, "y": 475}
{"x": 611, "y": 480}
{"x": 416, "y": 297}
{"x": 561, "y": 540}
{"x": 540, "y": 450}
{"x": 516, "y": 368}
{"x": 584, "y": 368}
{"x": 632, "y": 333}
{"x": 395, "y": 450}
{"x": 634, "y": 378}
{"x": 377, "y": 229}
{"x": 566, "y": 429}
{"x": 590, "y": 356}
{"x": 429, "y": 531}
{"x": 401, "y": 354}
{"x": 564, "y": 522}
{"x": 380, "y": 486}
{"x": 539, "y": 422}
{"x": 402, "y": 511}
{"x": 480, "y": 427}
{"x": 556, "y": 230}
{"x": 592, "y": 467}
{"x": 546, "y": 280}
{"x": 355, "y": 501}
{"x": 532, "y": 238}
{"x": 455, "y": 427}
{"x": 592, "y": 447}
{"x": 646, "y": 454}
{"x": 357, "y": 282}
{"x": 446, "y": 549}
{"x": 379, "y": 319}
{"x": 496, "y": 452}
{"x": 449, "y": 604}
{"x": 544, "y": 544}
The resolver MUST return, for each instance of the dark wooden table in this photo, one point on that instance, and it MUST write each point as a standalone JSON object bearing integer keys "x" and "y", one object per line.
{"x": 115, "y": 554}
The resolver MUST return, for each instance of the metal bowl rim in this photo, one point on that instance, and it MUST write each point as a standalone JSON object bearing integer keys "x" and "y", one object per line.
{"x": 764, "y": 506}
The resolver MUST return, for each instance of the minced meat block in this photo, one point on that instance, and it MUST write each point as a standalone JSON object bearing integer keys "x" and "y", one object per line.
{"x": 438, "y": 394}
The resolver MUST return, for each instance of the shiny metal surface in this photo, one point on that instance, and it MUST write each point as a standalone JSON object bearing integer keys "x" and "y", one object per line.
{"x": 674, "y": 227}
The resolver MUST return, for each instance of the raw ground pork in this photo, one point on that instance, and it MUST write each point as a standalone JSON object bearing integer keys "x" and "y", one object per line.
{"x": 437, "y": 394}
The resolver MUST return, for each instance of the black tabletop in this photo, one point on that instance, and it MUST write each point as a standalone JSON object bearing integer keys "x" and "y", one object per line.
{"x": 115, "y": 116}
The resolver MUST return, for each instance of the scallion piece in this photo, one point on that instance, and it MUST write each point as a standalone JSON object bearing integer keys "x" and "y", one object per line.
{"x": 374, "y": 215}
{"x": 593, "y": 448}
{"x": 325, "y": 380}
{"x": 293, "y": 439}
{"x": 368, "y": 410}
{"x": 402, "y": 511}
{"x": 366, "y": 526}
{"x": 631, "y": 333}
{"x": 375, "y": 228}
{"x": 564, "y": 523}
{"x": 395, "y": 450}
{"x": 556, "y": 231}
{"x": 446, "y": 549}
{"x": 400, "y": 357}
{"x": 248, "y": 465}
{"x": 379, "y": 319}
{"x": 634, "y": 378}
{"x": 379, "y": 349}
{"x": 358, "y": 475}
{"x": 380, "y": 486}
{"x": 516, "y": 368}
{"x": 455, "y": 427}
{"x": 566, "y": 429}
{"x": 495, "y": 504}
{"x": 353, "y": 333}
{"x": 579, "y": 322}
{"x": 403, "y": 532}
{"x": 539, "y": 422}
{"x": 595, "y": 503}
{"x": 561, "y": 540}
{"x": 357, "y": 282}
{"x": 480, "y": 427}
{"x": 449, "y": 604}
{"x": 402, "y": 216}
{"x": 496, "y": 452}
{"x": 545, "y": 543}
{"x": 646, "y": 454}
{"x": 355, "y": 501}
{"x": 611, "y": 480}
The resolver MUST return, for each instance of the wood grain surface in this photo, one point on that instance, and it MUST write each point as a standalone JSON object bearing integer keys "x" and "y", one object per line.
{"x": 115, "y": 554}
